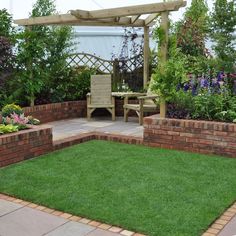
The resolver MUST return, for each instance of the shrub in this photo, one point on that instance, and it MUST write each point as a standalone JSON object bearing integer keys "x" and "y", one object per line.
{"x": 32, "y": 120}
{"x": 74, "y": 87}
{"x": 5, "y": 129}
{"x": 206, "y": 105}
{"x": 11, "y": 109}
{"x": 180, "y": 106}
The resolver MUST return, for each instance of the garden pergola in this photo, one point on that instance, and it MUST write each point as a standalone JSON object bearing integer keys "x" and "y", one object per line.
{"x": 122, "y": 16}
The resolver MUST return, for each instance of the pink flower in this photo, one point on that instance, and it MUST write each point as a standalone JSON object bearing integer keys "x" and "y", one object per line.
{"x": 19, "y": 119}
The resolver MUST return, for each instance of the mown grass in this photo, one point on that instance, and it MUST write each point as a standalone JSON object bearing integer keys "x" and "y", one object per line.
{"x": 152, "y": 191}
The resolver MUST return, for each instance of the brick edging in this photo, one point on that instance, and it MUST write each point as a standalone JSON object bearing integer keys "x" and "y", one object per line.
{"x": 218, "y": 225}
{"x": 68, "y": 216}
{"x": 81, "y": 138}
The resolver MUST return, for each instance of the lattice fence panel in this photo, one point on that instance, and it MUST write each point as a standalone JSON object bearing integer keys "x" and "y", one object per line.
{"x": 91, "y": 61}
{"x": 102, "y": 65}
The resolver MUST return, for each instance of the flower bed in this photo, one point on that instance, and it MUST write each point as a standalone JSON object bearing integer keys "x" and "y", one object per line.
{"x": 191, "y": 135}
{"x": 25, "y": 144}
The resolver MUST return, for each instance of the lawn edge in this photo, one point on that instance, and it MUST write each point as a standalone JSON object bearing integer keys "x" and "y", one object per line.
{"x": 70, "y": 217}
{"x": 215, "y": 228}
{"x": 219, "y": 224}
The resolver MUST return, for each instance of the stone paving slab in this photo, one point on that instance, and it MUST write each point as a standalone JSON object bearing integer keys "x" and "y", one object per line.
{"x": 229, "y": 229}
{"x": 7, "y": 207}
{"x": 101, "y": 232}
{"x": 66, "y": 128}
{"x": 72, "y": 229}
{"x": 28, "y": 222}
{"x": 20, "y": 219}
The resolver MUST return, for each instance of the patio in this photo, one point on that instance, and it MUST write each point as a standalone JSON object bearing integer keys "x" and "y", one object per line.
{"x": 72, "y": 127}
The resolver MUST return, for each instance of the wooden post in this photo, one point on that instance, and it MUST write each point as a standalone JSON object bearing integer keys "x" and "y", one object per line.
{"x": 31, "y": 77}
{"x": 163, "y": 54}
{"x": 146, "y": 55}
{"x": 116, "y": 73}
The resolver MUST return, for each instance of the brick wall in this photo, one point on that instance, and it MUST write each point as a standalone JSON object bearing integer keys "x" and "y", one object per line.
{"x": 57, "y": 111}
{"x": 67, "y": 110}
{"x": 190, "y": 135}
{"x": 25, "y": 144}
{"x": 73, "y": 109}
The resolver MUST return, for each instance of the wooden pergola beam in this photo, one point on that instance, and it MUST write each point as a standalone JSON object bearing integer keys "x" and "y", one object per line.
{"x": 81, "y": 17}
{"x": 151, "y": 18}
{"x": 134, "y": 18}
{"x": 130, "y": 10}
{"x": 68, "y": 19}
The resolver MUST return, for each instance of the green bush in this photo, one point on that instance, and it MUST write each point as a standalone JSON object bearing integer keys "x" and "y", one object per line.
{"x": 74, "y": 87}
{"x": 206, "y": 105}
{"x": 5, "y": 129}
{"x": 10, "y": 109}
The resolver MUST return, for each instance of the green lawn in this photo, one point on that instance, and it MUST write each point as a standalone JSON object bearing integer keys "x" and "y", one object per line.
{"x": 152, "y": 191}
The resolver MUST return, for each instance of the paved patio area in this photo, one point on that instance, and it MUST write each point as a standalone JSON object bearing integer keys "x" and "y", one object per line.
{"x": 72, "y": 127}
{"x": 229, "y": 229}
{"x": 19, "y": 220}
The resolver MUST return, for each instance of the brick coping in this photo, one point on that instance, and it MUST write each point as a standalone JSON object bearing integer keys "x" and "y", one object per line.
{"x": 81, "y": 138}
{"x": 216, "y": 227}
{"x": 30, "y": 129}
{"x": 68, "y": 216}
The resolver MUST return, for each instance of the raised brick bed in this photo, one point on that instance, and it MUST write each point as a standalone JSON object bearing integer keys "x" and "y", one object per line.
{"x": 25, "y": 144}
{"x": 68, "y": 110}
{"x": 57, "y": 111}
{"x": 74, "y": 109}
{"x": 191, "y": 135}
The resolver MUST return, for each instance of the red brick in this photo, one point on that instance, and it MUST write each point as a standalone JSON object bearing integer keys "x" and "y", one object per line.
{"x": 190, "y": 135}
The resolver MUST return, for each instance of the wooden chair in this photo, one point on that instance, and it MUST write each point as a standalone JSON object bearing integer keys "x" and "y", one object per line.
{"x": 100, "y": 95}
{"x": 146, "y": 104}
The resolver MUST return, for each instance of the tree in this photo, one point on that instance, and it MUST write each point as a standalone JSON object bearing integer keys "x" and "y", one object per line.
{"x": 223, "y": 24}
{"x": 41, "y": 52}
{"x": 192, "y": 30}
{"x": 6, "y": 41}
{"x": 6, "y": 23}
{"x": 6, "y": 53}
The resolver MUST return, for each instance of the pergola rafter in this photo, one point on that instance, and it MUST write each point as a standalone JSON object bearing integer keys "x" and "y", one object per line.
{"x": 122, "y": 16}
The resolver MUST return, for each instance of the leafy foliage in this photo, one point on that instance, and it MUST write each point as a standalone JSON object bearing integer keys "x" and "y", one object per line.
{"x": 6, "y": 54}
{"x": 191, "y": 33}
{"x": 73, "y": 87}
{"x": 170, "y": 74}
{"x": 207, "y": 104}
{"x": 5, "y": 129}
{"x": 42, "y": 52}
{"x": 6, "y": 23}
{"x": 11, "y": 109}
{"x": 223, "y": 22}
